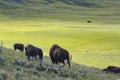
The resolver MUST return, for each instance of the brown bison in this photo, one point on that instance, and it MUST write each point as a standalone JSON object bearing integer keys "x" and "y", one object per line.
{"x": 19, "y": 46}
{"x": 32, "y": 51}
{"x": 112, "y": 69}
{"x": 58, "y": 54}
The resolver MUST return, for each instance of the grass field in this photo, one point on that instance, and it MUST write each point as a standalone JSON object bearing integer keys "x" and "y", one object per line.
{"x": 64, "y": 22}
{"x": 91, "y": 44}
{"x": 47, "y": 22}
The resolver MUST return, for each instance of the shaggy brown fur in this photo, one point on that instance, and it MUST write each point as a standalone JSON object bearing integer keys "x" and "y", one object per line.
{"x": 32, "y": 51}
{"x": 19, "y": 46}
{"x": 112, "y": 69}
{"x": 58, "y": 54}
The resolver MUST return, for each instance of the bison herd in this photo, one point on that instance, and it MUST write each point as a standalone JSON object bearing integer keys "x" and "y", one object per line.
{"x": 56, "y": 53}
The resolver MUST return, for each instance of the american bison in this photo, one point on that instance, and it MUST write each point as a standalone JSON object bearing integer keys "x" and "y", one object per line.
{"x": 58, "y": 55}
{"x": 32, "y": 51}
{"x": 19, "y": 46}
{"x": 88, "y": 21}
{"x": 112, "y": 69}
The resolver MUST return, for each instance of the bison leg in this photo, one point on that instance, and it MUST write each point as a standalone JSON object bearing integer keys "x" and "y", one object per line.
{"x": 41, "y": 63}
{"x": 56, "y": 61}
{"x": 28, "y": 58}
{"x": 68, "y": 62}
{"x": 14, "y": 48}
{"x": 35, "y": 56}
{"x": 22, "y": 50}
{"x": 40, "y": 57}
{"x": 63, "y": 62}
{"x": 53, "y": 60}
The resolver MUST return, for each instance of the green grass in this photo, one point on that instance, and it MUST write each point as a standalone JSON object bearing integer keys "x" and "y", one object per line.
{"x": 99, "y": 11}
{"x": 90, "y": 44}
{"x": 14, "y": 71}
{"x": 46, "y": 22}
{"x": 64, "y": 22}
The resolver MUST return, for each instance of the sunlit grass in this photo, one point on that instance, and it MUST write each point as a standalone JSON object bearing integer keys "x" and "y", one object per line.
{"x": 90, "y": 44}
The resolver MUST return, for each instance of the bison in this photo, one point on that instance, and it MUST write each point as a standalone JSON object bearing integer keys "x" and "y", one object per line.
{"x": 89, "y": 21}
{"x": 19, "y": 46}
{"x": 58, "y": 55}
{"x": 112, "y": 69}
{"x": 32, "y": 51}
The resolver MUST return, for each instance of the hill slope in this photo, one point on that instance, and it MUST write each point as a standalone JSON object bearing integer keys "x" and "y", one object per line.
{"x": 11, "y": 69}
{"x": 85, "y": 3}
{"x": 61, "y": 9}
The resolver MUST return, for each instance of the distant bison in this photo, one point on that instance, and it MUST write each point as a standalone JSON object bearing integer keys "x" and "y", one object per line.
{"x": 58, "y": 54}
{"x": 88, "y": 21}
{"x": 32, "y": 51}
{"x": 112, "y": 69}
{"x": 19, "y": 46}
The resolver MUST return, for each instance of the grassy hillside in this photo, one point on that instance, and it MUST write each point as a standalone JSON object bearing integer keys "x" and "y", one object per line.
{"x": 11, "y": 69}
{"x": 90, "y": 44}
{"x": 70, "y": 10}
{"x": 45, "y": 22}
